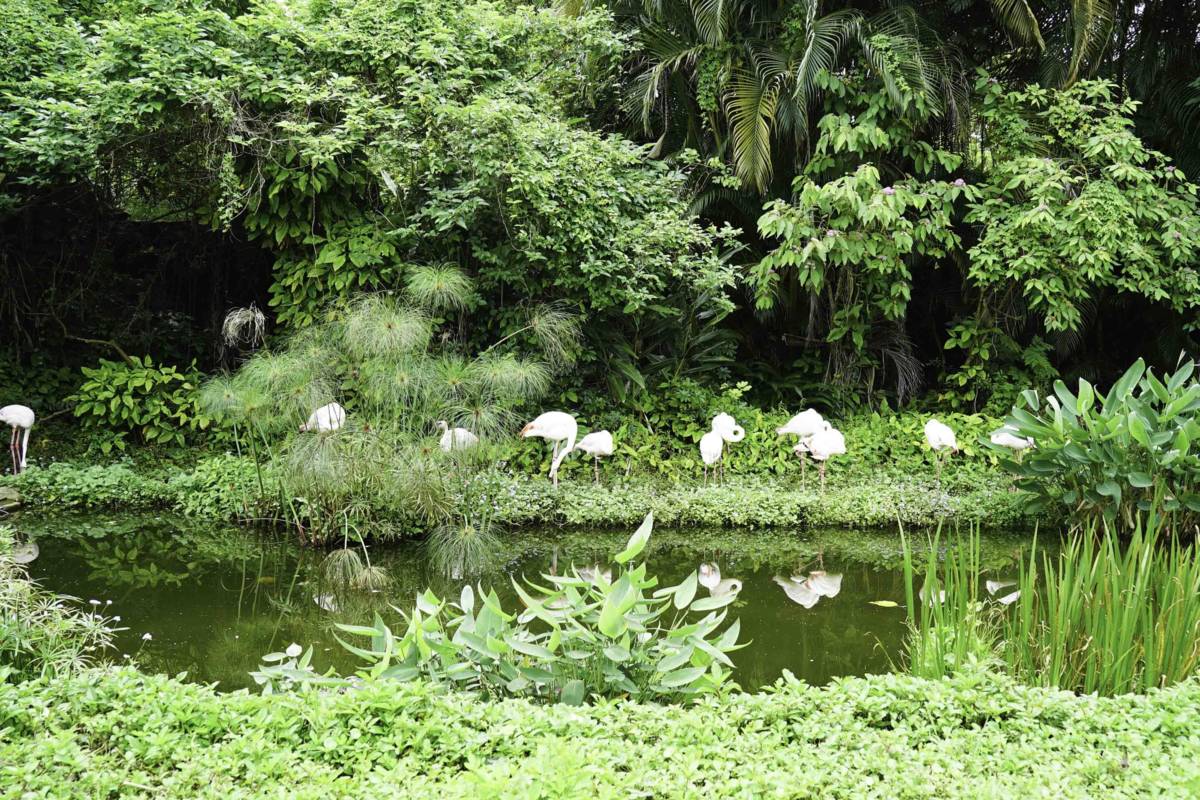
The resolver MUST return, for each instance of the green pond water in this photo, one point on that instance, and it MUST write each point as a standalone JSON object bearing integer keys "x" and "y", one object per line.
{"x": 215, "y": 599}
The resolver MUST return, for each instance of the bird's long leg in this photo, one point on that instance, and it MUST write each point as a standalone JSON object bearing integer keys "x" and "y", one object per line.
{"x": 821, "y": 469}
{"x": 596, "y": 467}
{"x": 803, "y": 471}
{"x": 12, "y": 451}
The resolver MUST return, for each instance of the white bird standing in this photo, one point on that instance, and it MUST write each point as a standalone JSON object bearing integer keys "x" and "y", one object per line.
{"x": 455, "y": 438}
{"x": 598, "y": 444}
{"x": 325, "y": 419}
{"x": 558, "y": 427}
{"x": 804, "y": 426}
{"x": 1007, "y": 437}
{"x": 825, "y": 444}
{"x": 730, "y": 431}
{"x": 711, "y": 446}
{"x": 941, "y": 439}
{"x": 19, "y": 418}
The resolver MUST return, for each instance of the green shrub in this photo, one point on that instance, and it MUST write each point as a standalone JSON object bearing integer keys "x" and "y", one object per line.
{"x": 97, "y": 486}
{"x": 43, "y": 634}
{"x": 226, "y": 487}
{"x": 157, "y": 404}
{"x": 1111, "y": 456}
{"x": 123, "y": 734}
{"x": 599, "y": 634}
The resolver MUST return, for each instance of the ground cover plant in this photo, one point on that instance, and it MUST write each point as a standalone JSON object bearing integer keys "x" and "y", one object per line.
{"x": 975, "y": 735}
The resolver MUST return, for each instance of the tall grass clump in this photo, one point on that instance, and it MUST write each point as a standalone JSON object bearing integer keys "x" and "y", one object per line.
{"x": 43, "y": 634}
{"x": 397, "y": 363}
{"x": 1096, "y": 616}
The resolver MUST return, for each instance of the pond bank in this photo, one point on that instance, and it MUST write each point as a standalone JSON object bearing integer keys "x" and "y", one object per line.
{"x": 225, "y": 488}
{"x": 977, "y": 735}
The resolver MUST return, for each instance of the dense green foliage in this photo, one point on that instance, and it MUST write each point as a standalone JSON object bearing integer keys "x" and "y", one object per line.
{"x": 1095, "y": 616}
{"x": 158, "y": 404}
{"x": 1117, "y": 454}
{"x": 841, "y": 203}
{"x": 973, "y": 736}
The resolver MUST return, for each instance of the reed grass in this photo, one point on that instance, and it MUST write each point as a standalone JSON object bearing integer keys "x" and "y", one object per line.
{"x": 1099, "y": 615}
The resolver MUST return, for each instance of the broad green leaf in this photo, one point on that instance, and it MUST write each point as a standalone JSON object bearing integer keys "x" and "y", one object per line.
{"x": 686, "y": 591}
{"x": 637, "y": 542}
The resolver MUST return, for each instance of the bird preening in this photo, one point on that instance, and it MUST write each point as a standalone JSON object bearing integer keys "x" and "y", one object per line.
{"x": 325, "y": 419}
{"x": 725, "y": 430}
{"x": 455, "y": 438}
{"x": 942, "y": 440}
{"x": 20, "y": 419}
{"x": 814, "y": 437}
{"x": 558, "y": 427}
{"x": 598, "y": 444}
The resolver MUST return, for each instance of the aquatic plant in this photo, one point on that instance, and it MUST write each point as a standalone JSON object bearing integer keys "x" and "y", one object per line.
{"x": 584, "y": 633}
{"x": 397, "y": 367}
{"x": 1112, "y": 455}
{"x": 43, "y": 634}
{"x": 1099, "y": 615}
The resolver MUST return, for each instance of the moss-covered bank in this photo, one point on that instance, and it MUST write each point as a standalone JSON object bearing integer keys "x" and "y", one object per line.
{"x": 226, "y": 488}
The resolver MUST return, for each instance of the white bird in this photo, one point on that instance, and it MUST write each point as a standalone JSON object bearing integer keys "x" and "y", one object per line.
{"x": 823, "y": 583}
{"x": 1007, "y": 437}
{"x": 598, "y": 444}
{"x": 730, "y": 431}
{"x": 455, "y": 438}
{"x": 799, "y": 593}
{"x": 710, "y": 578}
{"x": 825, "y": 444}
{"x": 807, "y": 590}
{"x": 325, "y": 419}
{"x": 19, "y": 418}
{"x": 711, "y": 446}
{"x": 804, "y": 426}
{"x": 941, "y": 439}
{"x": 557, "y": 427}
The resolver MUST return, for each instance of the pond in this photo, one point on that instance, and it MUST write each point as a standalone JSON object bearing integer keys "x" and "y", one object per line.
{"x": 215, "y": 599}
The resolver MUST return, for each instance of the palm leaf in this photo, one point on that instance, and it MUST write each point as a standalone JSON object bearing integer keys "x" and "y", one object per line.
{"x": 750, "y": 103}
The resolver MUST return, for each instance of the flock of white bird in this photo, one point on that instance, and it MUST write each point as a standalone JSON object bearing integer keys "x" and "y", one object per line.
{"x": 815, "y": 437}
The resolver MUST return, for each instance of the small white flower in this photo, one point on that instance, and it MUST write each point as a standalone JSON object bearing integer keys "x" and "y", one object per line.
{"x": 293, "y": 650}
{"x": 146, "y": 637}
{"x": 94, "y": 602}
{"x": 116, "y": 619}
{"x": 108, "y": 602}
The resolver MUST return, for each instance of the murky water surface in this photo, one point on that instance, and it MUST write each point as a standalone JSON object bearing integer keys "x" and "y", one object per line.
{"x": 215, "y": 599}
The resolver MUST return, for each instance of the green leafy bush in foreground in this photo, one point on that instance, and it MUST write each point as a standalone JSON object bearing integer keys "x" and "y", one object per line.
{"x": 588, "y": 633}
{"x": 976, "y": 735}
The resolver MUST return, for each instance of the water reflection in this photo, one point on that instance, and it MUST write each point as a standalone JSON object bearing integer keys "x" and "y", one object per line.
{"x": 217, "y": 599}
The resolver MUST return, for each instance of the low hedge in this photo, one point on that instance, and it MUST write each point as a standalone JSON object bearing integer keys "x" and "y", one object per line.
{"x": 119, "y": 733}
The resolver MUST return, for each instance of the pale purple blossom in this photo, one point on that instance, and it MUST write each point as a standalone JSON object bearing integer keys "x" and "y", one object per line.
{"x": 889, "y": 191}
